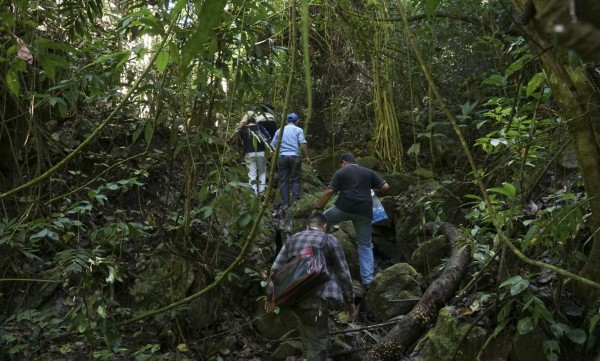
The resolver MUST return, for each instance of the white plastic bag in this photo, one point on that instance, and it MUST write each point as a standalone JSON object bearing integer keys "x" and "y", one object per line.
{"x": 378, "y": 210}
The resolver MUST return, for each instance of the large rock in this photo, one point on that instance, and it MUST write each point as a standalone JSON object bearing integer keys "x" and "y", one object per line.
{"x": 287, "y": 349}
{"x": 429, "y": 255}
{"x": 443, "y": 339}
{"x": 273, "y": 325}
{"x": 399, "y": 282}
{"x": 399, "y": 182}
{"x": 350, "y": 251}
{"x": 369, "y": 161}
{"x": 326, "y": 165}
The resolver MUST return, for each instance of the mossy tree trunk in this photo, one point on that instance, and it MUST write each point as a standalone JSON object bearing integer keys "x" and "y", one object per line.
{"x": 580, "y": 107}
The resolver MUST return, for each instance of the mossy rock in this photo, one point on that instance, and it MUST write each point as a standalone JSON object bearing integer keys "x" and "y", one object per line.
{"x": 273, "y": 325}
{"x": 399, "y": 182}
{"x": 443, "y": 339}
{"x": 424, "y": 173}
{"x": 287, "y": 349}
{"x": 369, "y": 161}
{"x": 398, "y": 282}
{"x": 325, "y": 166}
{"x": 430, "y": 253}
{"x": 350, "y": 252}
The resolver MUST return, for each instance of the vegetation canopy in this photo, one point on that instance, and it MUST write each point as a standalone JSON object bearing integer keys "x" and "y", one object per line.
{"x": 129, "y": 229}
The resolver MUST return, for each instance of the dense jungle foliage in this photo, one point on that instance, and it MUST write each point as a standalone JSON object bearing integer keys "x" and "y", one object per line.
{"x": 128, "y": 229}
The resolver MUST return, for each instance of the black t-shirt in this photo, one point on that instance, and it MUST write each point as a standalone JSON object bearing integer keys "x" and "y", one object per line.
{"x": 250, "y": 142}
{"x": 354, "y": 183}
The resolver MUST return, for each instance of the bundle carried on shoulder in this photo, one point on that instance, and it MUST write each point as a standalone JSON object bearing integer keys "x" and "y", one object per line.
{"x": 299, "y": 278}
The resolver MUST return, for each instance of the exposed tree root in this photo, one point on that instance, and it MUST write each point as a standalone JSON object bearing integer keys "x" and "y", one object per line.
{"x": 410, "y": 328}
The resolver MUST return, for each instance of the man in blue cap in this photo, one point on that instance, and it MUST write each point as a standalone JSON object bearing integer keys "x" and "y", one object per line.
{"x": 289, "y": 163}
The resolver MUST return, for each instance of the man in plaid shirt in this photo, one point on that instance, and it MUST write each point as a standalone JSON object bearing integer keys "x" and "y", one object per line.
{"x": 312, "y": 312}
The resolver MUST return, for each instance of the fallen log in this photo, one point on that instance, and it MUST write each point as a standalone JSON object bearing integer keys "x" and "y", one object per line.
{"x": 410, "y": 328}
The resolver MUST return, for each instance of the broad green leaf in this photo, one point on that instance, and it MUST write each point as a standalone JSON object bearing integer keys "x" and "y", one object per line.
{"x": 39, "y": 235}
{"x": 533, "y": 230}
{"x": 535, "y": 83}
{"x": 12, "y": 81}
{"x": 525, "y": 325}
{"x": 495, "y": 79}
{"x": 507, "y": 189}
{"x": 559, "y": 329}
{"x": 504, "y": 312}
{"x": 414, "y": 149}
{"x": 8, "y": 18}
{"x": 577, "y": 335}
{"x": 162, "y": 60}
{"x": 511, "y": 281}
{"x": 148, "y": 132}
{"x": 210, "y": 16}
{"x": 430, "y": 7}
{"x": 519, "y": 287}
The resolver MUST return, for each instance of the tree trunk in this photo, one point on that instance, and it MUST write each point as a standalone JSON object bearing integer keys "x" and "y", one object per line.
{"x": 580, "y": 107}
{"x": 411, "y": 327}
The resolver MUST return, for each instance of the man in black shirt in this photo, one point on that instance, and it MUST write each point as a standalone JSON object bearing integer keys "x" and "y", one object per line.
{"x": 354, "y": 203}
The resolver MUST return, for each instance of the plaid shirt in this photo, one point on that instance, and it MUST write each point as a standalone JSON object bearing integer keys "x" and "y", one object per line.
{"x": 339, "y": 286}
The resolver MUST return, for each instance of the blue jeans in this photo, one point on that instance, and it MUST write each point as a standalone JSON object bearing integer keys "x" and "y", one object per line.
{"x": 363, "y": 229}
{"x": 289, "y": 170}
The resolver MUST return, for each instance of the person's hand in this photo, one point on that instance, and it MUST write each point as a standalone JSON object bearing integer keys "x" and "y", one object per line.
{"x": 307, "y": 160}
{"x": 269, "y": 306}
{"x": 351, "y": 311}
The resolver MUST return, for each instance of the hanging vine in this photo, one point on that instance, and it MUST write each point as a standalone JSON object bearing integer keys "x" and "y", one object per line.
{"x": 387, "y": 145}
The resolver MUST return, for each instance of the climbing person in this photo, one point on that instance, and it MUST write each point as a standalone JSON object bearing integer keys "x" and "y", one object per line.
{"x": 266, "y": 118}
{"x": 289, "y": 163}
{"x": 312, "y": 312}
{"x": 254, "y": 138}
{"x": 354, "y": 203}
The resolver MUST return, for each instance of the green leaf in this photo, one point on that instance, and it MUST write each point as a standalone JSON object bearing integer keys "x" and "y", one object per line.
{"x": 511, "y": 281}
{"x": 519, "y": 287}
{"x": 148, "y": 132}
{"x": 210, "y": 13}
{"x": 162, "y": 60}
{"x": 430, "y": 7}
{"x": 8, "y": 18}
{"x": 495, "y": 79}
{"x": 507, "y": 189}
{"x": 12, "y": 81}
{"x": 525, "y": 325}
{"x": 504, "y": 312}
{"x": 559, "y": 329}
{"x": 577, "y": 336}
{"x": 414, "y": 149}
{"x": 535, "y": 83}
{"x": 39, "y": 235}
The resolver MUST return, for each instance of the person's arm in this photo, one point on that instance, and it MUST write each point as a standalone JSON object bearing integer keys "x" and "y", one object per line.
{"x": 304, "y": 149}
{"x": 384, "y": 187}
{"x": 342, "y": 272}
{"x": 329, "y": 192}
{"x": 274, "y": 140}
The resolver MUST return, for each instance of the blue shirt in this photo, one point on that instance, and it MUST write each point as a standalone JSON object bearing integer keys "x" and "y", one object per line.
{"x": 293, "y": 136}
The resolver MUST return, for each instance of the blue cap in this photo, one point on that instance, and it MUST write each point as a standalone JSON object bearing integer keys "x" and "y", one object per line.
{"x": 292, "y": 117}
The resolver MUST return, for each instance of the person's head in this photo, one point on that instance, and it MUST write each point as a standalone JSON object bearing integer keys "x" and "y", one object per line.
{"x": 317, "y": 220}
{"x": 347, "y": 158}
{"x": 251, "y": 120}
{"x": 292, "y": 118}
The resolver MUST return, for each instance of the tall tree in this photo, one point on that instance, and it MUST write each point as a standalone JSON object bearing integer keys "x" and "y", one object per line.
{"x": 579, "y": 103}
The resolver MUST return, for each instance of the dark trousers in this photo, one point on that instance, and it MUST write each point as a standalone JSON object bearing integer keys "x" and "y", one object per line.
{"x": 289, "y": 170}
{"x": 312, "y": 314}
